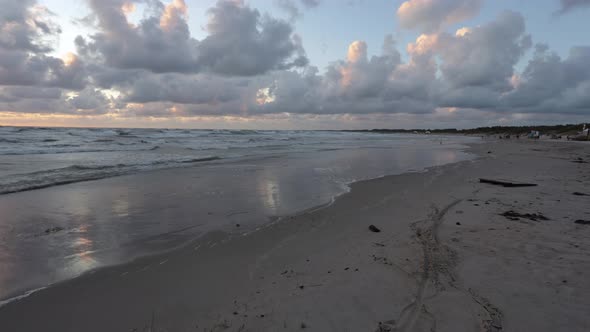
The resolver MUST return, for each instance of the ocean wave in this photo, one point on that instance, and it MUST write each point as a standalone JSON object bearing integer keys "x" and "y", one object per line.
{"x": 63, "y": 146}
{"x": 80, "y": 173}
{"x": 197, "y": 160}
{"x": 48, "y": 150}
{"x": 22, "y": 296}
{"x": 7, "y": 140}
{"x": 232, "y": 132}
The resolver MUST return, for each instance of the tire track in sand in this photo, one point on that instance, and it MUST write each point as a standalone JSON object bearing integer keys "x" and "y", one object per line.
{"x": 438, "y": 260}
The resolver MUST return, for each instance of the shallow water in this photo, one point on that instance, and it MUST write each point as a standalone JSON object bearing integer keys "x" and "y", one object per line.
{"x": 56, "y": 233}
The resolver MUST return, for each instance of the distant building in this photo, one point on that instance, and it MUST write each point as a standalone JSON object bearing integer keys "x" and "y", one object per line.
{"x": 535, "y": 134}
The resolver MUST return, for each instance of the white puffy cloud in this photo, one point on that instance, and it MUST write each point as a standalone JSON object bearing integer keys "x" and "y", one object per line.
{"x": 550, "y": 84}
{"x": 431, "y": 15}
{"x": 27, "y": 36}
{"x": 486, "y": 55}
{"x": 240, "y": 40}
{"x": 292, "y": 8}
{"x": 310, "y": 3}
{"x": 251, "y": 65}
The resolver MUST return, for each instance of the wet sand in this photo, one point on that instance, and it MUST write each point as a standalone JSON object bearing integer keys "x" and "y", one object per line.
{"x": 58, "y": 233}
{"x": 445, "y": 260}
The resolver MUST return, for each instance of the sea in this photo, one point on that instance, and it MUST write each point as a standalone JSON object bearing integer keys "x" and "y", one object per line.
{"x": 73, "y": 200}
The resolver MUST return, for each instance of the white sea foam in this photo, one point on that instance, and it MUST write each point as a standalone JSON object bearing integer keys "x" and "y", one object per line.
{"x": 20, "y": 297}
{"x": 35, "y": 158}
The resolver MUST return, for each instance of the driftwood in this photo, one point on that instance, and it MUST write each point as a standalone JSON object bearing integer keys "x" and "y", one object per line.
{"x": 513, "y": 215}
{"x": 374, "y": 229}
{"x": 506, "y": 183}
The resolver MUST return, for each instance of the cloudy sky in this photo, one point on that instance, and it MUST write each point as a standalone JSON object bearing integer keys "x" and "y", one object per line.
{"x": 306, "y": 64}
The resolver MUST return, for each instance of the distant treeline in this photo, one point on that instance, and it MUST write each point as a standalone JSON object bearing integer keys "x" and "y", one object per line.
{"x": 568, "y": 129}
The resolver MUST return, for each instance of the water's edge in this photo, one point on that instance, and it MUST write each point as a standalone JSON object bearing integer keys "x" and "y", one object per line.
{"x": 225, "y": 235}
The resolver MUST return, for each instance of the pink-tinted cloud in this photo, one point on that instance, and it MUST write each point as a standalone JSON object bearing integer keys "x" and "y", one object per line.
{"x": 431, "y": 15}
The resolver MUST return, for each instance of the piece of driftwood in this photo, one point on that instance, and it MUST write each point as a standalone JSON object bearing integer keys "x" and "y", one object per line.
{"x": 506, "y": 183}
{"x": 374, "y": 229}
{"x": 513, "y": 215}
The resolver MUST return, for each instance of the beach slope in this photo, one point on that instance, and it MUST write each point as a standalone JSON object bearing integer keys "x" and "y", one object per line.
{"x": 451, "y": 254}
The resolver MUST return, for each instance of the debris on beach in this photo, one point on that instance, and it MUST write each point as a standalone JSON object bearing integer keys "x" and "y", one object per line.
{"x": 50, "y": 231}
{"x": 374, "y": 229}
{"x": 382, "y": 260}
{"x": 53, "y": 230}
{"x": 513, "y": 215}
{"x": 388, "y": 326}
{"x": 506, "y": 183}
{"x": 582, "y": 222}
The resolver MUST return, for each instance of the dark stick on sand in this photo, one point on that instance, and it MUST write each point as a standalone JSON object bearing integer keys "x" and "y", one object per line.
{"x": 506, "y": 183}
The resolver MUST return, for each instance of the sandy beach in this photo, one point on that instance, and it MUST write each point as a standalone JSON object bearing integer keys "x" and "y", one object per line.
{"x": 445, "y": 259}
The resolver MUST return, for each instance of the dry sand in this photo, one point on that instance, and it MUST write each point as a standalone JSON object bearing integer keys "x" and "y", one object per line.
{"x": 445, "y": 260}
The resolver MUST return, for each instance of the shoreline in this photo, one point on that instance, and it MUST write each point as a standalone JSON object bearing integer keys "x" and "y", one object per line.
{"x": 227, "y": 233}
{"x": 114, "y": 171}
{"x": 116, "y": 220}
{"x": 270, "y": 251}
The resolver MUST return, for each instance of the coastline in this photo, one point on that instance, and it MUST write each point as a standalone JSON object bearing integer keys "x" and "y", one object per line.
{"x": 60, "y": 232}
{"x": 324, "y": 270}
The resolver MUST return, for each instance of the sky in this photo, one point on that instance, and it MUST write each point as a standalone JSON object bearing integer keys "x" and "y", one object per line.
{"x": 294, "y": 64}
